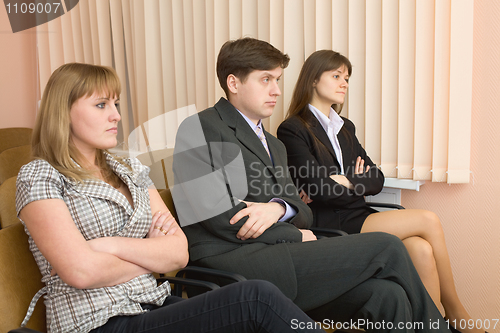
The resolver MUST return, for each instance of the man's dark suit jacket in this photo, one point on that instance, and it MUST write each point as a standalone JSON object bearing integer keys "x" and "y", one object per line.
{"x": 262, "y": 257}
{"x": 311, "y": 164}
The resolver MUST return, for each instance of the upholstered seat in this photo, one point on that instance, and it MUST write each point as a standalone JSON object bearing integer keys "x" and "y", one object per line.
{"x": 12, "y": 159}
{"x": 8, "y": 214}
{"x": 14, "y": 137}
{"x": 20, "y": 279}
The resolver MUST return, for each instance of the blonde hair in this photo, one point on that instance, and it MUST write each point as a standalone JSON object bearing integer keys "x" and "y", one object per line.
{"x": 51, "y": 138}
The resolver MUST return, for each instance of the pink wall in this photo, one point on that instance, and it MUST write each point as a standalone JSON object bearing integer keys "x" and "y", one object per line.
{"x": 470, "y": 213}
{"x": 18, "y": 75}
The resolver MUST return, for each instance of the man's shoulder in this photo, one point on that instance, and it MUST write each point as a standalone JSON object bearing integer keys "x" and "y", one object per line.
{"x": 209, "y": 125}
{"x": 211, "y": 122}
{"x": 208, "y": 112}
{"x": 216, "y": 111}
{"x": 214, "y": 115}
{"x": 208, "y": 118}
{"x": 208, "y": 115}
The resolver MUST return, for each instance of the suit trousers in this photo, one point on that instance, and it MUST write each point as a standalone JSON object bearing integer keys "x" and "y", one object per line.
{"x": 366, "y": 278}
{"x": 249, "y": 306}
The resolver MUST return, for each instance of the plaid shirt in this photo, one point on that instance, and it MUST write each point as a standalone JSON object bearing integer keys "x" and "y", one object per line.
{"x": 98, "y": 210}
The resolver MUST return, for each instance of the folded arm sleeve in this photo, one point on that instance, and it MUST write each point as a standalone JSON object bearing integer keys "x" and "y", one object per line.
{"x": 37, "y": 180}
{"x": 210, "y": 183}
{"x": 368, "y": 183}
{"x": 314, "y": 178}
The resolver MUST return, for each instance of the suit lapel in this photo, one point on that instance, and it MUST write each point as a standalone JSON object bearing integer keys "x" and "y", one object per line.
{"x": 243, "y": 132}
{"x": 346, "y": 153}
{"x": 320, "y": 133}
{"x": 279, "y": 159}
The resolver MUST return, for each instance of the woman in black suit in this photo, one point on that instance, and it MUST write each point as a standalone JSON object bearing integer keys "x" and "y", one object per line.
{"x": 333, "y": 174}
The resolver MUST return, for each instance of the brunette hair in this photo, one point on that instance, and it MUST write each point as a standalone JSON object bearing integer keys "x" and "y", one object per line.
{"x": 315, "y": 65}
{"x": 51, "y": 138}
{"x": 242, "y": 56}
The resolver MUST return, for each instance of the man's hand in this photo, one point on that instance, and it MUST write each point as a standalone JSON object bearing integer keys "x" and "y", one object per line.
{"x": 260, "y": 217}
{"x": 307, "y": 235}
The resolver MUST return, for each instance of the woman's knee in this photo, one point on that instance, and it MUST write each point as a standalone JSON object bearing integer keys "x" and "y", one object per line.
{"x": 431, "y": 220}
{"x": 421, "y": 252}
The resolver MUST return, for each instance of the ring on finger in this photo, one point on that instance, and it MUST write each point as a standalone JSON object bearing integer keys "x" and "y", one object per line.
{"x": 159, "y": 228}
{"x": 163, "y": 231}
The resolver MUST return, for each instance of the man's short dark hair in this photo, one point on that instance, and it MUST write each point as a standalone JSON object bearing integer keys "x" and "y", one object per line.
{"x": 242, "y": 56}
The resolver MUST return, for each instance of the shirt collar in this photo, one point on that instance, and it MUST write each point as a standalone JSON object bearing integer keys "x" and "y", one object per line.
{"x": 251, "y": 123}
{"x": 118, "y": 168}
{"x": 333, "y": 120}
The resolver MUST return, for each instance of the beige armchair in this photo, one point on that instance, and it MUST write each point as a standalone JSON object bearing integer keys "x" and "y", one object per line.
{"x": 20, "y": 279}
{"x": 14, "y": 137}
{"x": 12, "y": 159}
{"x": 8, "y": 214}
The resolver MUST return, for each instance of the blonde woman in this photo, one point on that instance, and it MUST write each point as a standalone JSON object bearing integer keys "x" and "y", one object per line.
{"x": 98, "y": 228}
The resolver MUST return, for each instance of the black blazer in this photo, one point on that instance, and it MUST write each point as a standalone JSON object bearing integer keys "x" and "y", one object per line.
{"x": 216, "y": 236}
{"x": 311, "y": 165}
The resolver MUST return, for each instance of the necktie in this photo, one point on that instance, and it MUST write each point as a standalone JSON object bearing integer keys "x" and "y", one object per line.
{"x": 262, "y": 138}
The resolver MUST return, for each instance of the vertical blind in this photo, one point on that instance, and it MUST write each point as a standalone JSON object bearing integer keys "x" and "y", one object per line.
{"x": 409, "y": 95}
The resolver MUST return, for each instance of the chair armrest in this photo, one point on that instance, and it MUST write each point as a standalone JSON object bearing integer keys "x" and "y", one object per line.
{"x": 210, "y": 272}
{"x": 327, "y": 232}
{"x": 384, "y": 205}
{"x": 180, "y": 281}
{"x": 216, "y": 276}
{"x": 23, "y": 330}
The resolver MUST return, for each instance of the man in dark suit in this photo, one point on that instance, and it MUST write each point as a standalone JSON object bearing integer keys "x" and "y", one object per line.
{"x": 242, "y": 213}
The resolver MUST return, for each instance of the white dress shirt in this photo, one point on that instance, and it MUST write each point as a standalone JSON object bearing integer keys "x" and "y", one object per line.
{"x": 332, "y": 126}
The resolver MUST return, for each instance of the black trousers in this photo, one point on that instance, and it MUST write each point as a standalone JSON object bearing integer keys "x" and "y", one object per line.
{"x": 366, "y": 279}
{"x": 250, "y": 306}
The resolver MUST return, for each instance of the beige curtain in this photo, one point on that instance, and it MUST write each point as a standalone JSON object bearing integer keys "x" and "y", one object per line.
{"x": 409, "y": 96}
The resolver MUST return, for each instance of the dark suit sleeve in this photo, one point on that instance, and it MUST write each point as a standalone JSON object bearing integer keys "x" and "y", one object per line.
{"x": 313, "y": 176}
{"x": 303, "y": 218}
{"x": 369, "y": 183}
{"x": 205, "y": 179}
